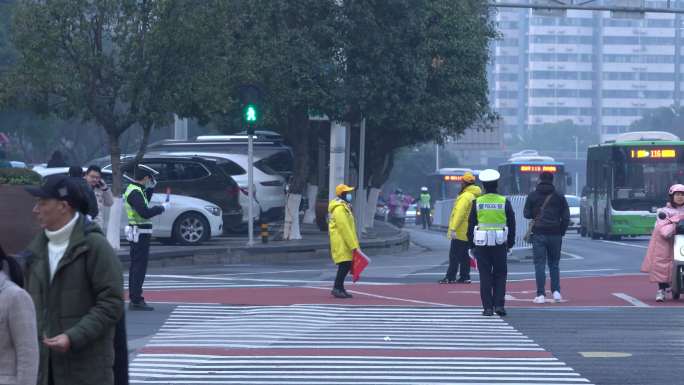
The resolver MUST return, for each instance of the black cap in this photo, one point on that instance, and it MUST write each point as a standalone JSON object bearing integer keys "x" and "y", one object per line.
{"x": 60, "y": 187}
{"x": 546, "y": 176}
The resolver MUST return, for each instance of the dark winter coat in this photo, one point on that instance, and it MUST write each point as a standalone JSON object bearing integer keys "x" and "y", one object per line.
{"x": 556, "y": 216}
{"x": 84, "y": 301}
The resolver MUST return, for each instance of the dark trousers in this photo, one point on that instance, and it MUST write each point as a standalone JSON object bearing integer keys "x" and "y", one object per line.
{"x": 493, "y": 266}
{"x": 458, "y": 260}
{"x": 425, "y": 215}
{"x": 547, "y": 250}
{"x": 140, "y": 253}
{"x": 343, "y": 269}
{"x": 121, "y": 353}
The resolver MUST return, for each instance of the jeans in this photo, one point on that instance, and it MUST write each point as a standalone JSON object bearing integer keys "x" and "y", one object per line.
{"x": 547, "y": 249}
{"x": 140, "y": 253}
{"x": 458, "y": 260}
{"x": 342, "y": 271}
{"x": 493, "y": 265}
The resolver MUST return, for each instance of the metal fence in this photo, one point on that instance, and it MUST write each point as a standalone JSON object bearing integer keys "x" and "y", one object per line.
{"x": 443, "y": 212}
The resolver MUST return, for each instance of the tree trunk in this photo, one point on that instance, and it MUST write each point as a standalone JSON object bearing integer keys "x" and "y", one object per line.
{"x": 311, "y": 194}
{"x": 372, "y": 204}
{"x": 380, "y": 168}
{"x": 298, "y": 130}
{"x": 147, "y": 128}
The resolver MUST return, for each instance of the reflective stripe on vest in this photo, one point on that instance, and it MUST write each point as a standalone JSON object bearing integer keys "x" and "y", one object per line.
{"x": 491, "y": 212}
{"x": 133, "y": 217}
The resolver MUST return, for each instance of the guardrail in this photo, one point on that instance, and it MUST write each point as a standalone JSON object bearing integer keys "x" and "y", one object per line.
{"x": 440, "y": 218}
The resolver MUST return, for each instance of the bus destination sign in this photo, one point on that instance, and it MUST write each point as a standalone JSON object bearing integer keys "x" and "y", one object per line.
{"x": 538, "y": 168}
{"x": 453, "y": 178}
{"x": 653, "y": 153}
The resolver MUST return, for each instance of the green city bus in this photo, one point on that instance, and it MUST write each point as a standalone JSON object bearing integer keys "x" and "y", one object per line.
{"x": 627, "y": 181}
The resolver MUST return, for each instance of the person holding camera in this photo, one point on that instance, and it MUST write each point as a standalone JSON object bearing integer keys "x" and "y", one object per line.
{"x": 102, "y": 192}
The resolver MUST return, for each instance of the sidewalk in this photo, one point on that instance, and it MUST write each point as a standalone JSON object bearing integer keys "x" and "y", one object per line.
{"x": 230, "y": 250}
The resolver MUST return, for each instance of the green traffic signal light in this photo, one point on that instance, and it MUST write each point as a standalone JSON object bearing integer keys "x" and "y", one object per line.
{"x": 250, "y": 113}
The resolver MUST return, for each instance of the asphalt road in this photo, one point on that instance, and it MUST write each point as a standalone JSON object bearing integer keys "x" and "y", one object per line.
{"x": 277, "y": 323}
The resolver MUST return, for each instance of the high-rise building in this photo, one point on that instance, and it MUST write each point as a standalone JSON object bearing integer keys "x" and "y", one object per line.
{"x": 587, "y": 66}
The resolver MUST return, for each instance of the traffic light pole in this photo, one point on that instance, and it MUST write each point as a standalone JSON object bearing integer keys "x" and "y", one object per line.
{"x": 250, "y": 189}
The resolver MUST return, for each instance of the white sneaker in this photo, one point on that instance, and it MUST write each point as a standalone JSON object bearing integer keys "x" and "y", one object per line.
{"x": 660, "y": 297}
{"x": 557, "y": 297}
{"x": 539, "y": 299}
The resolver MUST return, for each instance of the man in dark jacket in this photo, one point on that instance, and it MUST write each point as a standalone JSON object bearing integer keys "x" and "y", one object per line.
{"x": 551, "y": 216}
{"x": 76, "y": 283}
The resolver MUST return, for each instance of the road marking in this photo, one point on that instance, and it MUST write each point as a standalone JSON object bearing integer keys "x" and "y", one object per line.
{"x": 530, "y": 272}
{"x": 631, "y": 300}
{"x": 626, "y": 244}
{"x": 390, "y": 298}
{"x": 573, "y": 256}
{"x": 342, "y": 345}
{"x": 605, "y": 354}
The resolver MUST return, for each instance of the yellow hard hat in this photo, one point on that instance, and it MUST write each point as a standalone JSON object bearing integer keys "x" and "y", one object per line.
{"x": 468, "y": 177}
{"x": 342, "y": 188}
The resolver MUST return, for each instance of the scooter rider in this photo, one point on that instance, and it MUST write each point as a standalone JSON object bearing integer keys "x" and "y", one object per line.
{"x": 660, "y": 254}
{"x": 139, "y": 230}
{"x": 491, "y": 230}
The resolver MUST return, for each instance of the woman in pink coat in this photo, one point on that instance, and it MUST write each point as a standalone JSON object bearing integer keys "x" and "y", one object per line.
{"x": 660, "y": 254}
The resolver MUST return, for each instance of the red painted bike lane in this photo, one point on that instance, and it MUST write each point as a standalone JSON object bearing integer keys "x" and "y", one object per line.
{"x": 618, "y": 290}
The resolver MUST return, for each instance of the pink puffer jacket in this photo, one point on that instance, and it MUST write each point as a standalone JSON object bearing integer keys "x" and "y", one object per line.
{"x": 659, "y": 257}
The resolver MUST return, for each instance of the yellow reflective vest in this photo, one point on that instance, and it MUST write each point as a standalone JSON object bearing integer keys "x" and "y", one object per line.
{"x": 342, "y": 230}
{"x": 458, "y": 222}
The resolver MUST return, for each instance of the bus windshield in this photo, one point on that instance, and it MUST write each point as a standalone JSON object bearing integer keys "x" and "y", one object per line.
{"x": 642, "y": 185}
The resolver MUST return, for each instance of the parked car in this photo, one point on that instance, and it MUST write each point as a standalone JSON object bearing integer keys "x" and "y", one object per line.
{"x": 208, "y": 179}
{"x": 269, "y": 185}
{"x": 269, "y": 148}
{"x": 187, "y": 221}
{"x": 574, "y": 205}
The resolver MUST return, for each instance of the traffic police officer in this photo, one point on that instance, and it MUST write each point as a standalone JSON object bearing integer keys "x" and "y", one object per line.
{"x": 139, "y": 230}
{"x": 491, "y": 230}
{"x": 425, "y": 200}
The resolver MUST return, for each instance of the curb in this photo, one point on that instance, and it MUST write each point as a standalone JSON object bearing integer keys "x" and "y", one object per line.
{"x": 203, "y": 255}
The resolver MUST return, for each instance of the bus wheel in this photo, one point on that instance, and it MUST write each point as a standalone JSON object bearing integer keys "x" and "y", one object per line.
{"x": 594, "y": 236}
{"x": 583, "y": 231}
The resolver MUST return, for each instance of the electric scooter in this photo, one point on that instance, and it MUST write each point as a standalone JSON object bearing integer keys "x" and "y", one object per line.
{"x": 678, "y": 262}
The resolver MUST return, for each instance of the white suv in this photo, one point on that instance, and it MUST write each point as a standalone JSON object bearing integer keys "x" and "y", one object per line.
{"x": 269, "y": 185}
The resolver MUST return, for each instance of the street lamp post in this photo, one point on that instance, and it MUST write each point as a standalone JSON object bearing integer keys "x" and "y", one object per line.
{"x": 576, "y": 158}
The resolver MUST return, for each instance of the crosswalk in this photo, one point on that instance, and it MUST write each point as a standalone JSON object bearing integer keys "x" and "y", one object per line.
{"x": 312, "y": 344}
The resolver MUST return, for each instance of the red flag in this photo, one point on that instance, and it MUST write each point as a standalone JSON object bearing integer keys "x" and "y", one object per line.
{"x": 359, "y": 262}
{"x": 473, "y": 261}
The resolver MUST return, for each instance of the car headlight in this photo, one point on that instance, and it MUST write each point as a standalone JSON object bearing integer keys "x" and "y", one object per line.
{"x": 213, "y": 210}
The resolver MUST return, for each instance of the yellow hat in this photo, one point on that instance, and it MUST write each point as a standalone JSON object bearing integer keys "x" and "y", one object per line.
{"x": 468, "y": 177}
{"x": 342, "y": 188}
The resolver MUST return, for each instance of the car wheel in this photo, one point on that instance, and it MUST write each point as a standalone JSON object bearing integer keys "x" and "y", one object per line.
{"x": 191, "y": 229}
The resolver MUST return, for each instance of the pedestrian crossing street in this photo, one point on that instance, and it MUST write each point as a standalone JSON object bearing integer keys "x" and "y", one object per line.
{"x": 312, "y": 344}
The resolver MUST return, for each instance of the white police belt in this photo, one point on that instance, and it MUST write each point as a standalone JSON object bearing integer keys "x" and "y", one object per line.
{"x": 133, "y": 233}
{"x": 490, "y": 237}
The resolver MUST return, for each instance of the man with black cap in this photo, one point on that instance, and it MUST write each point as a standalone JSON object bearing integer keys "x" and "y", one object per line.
{"x": 551, "y": 215}
{"x": 74, "y": 278}
{"x": 491, "y": 230}
{"x": 139, "y": 230}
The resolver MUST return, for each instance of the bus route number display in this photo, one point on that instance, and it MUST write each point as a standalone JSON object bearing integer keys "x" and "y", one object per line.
{"x": 653, "y": 153}
{"x": 453, "y": 178}
{"x": 538, "y": 168}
